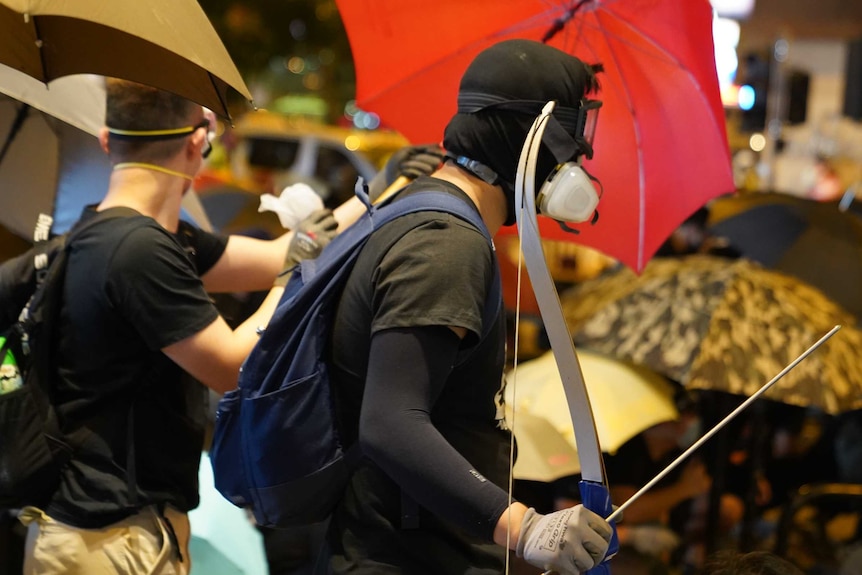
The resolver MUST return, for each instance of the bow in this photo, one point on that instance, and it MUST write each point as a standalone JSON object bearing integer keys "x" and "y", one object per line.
{"x": 593, "y": 486}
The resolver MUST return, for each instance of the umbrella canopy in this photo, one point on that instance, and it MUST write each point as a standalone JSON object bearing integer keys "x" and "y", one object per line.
{"x": 661, "y": 148}
{"x": 169, "y": 44}
{"x": 626, "y": 399}
{"x": 36, "y": 154}
{"x": 50, "y": 166}
{"x": 723, "y": 325}
{"x": 811, "y": 240}
{"x": 543, "y": 454}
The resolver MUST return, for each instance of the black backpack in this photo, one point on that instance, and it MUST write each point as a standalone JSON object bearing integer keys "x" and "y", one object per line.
{"x": 32, "y": 447}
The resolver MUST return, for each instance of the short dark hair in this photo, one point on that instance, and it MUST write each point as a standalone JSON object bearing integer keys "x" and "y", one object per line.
{"x": 751, "y": 563}
{"x": 136, "y": 107}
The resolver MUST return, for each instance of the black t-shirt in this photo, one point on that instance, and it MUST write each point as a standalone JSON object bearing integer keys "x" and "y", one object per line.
{"x": 437, "y": 274}
{"x": 131, "y": 289}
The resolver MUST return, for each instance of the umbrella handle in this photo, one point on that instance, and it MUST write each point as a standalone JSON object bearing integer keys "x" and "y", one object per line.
{"x": 616, "y": 514}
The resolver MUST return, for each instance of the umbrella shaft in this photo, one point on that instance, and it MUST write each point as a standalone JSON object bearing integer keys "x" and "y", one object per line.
{"x": 721, "y": 424}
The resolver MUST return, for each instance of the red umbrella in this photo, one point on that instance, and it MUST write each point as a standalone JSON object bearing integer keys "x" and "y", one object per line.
{"x": 661, "y": 147}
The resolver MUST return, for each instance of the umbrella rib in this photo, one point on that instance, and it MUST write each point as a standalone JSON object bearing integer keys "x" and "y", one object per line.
{"x": 525, "y": 24}
{"x": 661, "y": 50}
{"x": 40, "y": 45}
{"x": 638, "y": 140}
{"x": 20, "y": 116}
{"x": 221, "y": 100}
{"x": 668, "y": 57}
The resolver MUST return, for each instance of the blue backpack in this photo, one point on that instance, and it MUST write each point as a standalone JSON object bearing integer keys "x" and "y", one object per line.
{"x": 276, "y": 447}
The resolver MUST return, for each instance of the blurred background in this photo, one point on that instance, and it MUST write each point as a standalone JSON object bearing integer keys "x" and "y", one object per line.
{"x": 790, "y": 73}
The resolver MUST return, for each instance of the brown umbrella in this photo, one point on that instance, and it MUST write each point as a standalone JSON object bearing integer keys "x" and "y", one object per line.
{"x": 168, "y": 44}
{"x": 722, "y": 325}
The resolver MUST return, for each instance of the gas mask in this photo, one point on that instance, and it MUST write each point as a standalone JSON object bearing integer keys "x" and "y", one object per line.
{"x": 568, "y": 194}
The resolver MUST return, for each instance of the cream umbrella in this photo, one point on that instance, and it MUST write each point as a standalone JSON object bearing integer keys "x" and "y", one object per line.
{"x": 169, "y": 44}
{"x": 543, "y": 453}
{"x": 626, "y": 399}
{"x": 50, "y": 159}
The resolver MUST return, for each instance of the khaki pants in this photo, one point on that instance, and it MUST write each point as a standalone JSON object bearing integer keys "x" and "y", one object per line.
{"x": 139, "y": 545}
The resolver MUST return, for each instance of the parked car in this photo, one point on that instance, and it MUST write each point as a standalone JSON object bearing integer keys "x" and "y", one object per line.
{"x": 266, "y": 152}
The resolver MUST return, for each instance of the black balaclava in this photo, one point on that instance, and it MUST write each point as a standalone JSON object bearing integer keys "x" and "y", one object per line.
{"x": 502, "y": 92}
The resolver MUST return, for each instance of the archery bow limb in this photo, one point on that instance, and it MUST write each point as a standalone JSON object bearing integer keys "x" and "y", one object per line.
{"x": 593, "y": 486}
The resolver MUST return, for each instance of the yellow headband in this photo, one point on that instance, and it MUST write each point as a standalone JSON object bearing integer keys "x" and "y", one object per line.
{"x": 169, "y": 133}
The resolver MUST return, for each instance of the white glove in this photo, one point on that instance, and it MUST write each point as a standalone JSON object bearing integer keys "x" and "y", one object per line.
{"x": 567, "y": 542}
{"x": 652, "y": 539}
{"x": 295, "y": 203}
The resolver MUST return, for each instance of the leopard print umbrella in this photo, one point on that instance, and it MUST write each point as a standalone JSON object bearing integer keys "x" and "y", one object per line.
{"x": 722, "y": 325}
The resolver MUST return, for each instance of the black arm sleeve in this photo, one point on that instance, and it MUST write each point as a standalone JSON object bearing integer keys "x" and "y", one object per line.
{"x": 407, "y": 370}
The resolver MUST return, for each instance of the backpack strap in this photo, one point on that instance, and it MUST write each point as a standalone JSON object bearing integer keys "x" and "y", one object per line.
{"x": 46, "y": 246}
{"x": 49, "y": 319}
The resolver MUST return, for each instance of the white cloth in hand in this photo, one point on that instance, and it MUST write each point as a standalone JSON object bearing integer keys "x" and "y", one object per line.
{"x": 567, "y": 542}
{"x": 294, "y": 204}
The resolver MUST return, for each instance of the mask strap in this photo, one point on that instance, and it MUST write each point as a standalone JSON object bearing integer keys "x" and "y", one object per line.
{"x": 567, "y": 228}
{"x": 153, "y": 167}
{"x": 562, "y": 123}
{"x": 478, "y": 169}
{"x": 560, "y": 142}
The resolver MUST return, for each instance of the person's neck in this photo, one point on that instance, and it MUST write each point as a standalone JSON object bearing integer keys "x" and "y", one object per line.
{"x": 489, "y": 199}
{"x": 153, "y": 193}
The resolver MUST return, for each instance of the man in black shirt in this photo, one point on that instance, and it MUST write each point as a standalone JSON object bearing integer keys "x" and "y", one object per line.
{"x": 135, "y": 322}
{"x": 417, "y": 372}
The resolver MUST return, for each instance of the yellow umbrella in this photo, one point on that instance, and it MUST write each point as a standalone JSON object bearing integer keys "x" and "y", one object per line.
{"x": 626, "y": 399}
{"x": 543, "y": 453}
{"x": 168, "y": 44}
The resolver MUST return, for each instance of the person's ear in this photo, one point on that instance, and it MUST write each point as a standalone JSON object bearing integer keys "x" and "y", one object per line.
{"x": 104, "y": 137}
{"x": 196, "y": 143}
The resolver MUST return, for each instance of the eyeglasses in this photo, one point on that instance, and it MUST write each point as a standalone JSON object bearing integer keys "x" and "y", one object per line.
{"x": 208, "y": 146}
{"x": 167, "y": 134}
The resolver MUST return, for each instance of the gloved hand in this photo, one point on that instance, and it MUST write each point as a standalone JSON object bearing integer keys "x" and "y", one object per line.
{"x": 309, "y": 238}
{"x": 410, "y": 161}
{"x": 567, "y": 542}
{"x": 419, "y": 161}
{"x": 652, "y": 539}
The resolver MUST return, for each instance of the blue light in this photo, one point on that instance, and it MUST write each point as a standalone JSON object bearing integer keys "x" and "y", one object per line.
{"x": 746, "y": 97}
